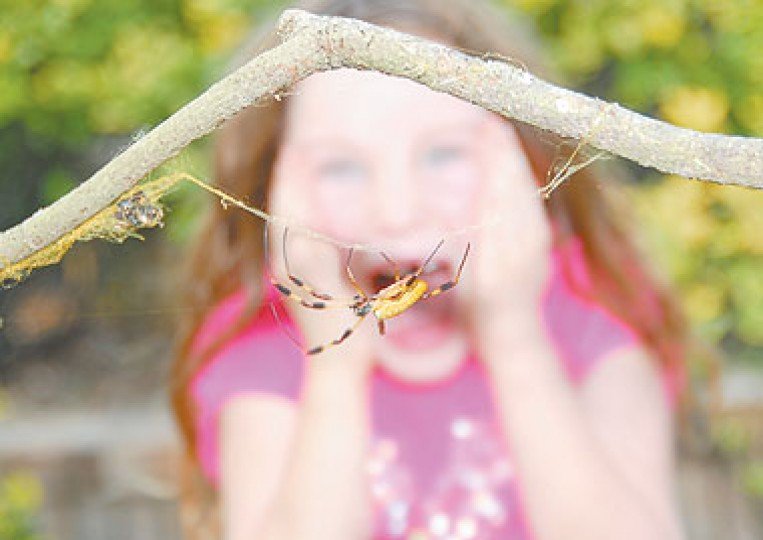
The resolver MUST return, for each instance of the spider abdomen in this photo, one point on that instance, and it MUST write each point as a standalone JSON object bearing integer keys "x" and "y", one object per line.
{"x": 394, "y": 301}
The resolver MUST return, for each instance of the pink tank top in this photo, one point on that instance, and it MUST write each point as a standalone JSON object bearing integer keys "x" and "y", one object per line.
{"x": 438, "y": 465}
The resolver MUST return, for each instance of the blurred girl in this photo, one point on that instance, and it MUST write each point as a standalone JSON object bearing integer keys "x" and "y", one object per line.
{"x": 531, "y": 400}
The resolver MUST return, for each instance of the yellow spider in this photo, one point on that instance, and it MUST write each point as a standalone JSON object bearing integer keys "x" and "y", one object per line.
{"x": 389, "y": 302}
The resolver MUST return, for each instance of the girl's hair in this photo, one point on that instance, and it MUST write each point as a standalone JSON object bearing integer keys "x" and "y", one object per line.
{"x": 227, "y": 253}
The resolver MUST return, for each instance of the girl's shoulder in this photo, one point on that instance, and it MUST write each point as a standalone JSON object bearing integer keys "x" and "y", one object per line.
{"x": 585, "y": 331}
{"x": 256, "y": 359}
{"x": 582, "y": 330}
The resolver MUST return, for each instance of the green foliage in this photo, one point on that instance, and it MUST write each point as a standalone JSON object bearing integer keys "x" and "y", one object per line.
{"x": 76, "y": 71}
{"x": 695, "y": 64}
{"x": 20, "y": 499}
{"x": 708, "y": 238}
{"x": 72, "y": 71}
{"x": 73, "y": 68}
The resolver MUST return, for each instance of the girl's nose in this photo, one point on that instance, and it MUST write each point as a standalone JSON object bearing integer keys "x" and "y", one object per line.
{"x": 396, "y": 200}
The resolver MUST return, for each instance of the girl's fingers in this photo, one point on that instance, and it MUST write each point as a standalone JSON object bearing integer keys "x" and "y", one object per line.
{"x": 309, "y": 258}
{"x": 319, "y": 270}
{"x": 511, "y": 192}
{"x": 515, "y": 243}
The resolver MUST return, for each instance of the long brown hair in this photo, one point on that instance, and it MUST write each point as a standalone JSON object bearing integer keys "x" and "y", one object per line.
{"x": 227, "y": 253}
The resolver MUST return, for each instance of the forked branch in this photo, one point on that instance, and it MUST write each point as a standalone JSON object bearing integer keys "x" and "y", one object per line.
{"x": 312, "y": 43}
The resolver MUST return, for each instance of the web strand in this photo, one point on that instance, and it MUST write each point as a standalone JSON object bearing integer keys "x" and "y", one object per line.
{"x": 562, "y": 175}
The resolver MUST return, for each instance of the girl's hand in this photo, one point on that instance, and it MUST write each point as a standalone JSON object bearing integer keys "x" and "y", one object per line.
{"x": 512, "y": 258}
{"x": 321, "y": 266}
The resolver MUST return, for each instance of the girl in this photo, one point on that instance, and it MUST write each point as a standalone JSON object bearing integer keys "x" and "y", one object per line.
{"x": 532, "y": 400}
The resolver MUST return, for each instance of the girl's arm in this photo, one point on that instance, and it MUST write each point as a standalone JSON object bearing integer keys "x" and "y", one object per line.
{"x": 594, "y": 463}
{"x": 591, "y": 464}
{"x": 324, "y": 489}
{"x": 256, "y": 437}
{"x": 291, "y": 473}
{"x": 320, "y": 489}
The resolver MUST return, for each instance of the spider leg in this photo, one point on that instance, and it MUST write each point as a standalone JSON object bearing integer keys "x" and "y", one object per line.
{"x": 413, "y": 277}
{"x": 319, "y": 348}
{"x": 381, "y": 326}
{"x": 317, "y": 304}
{"x": 449, "y": 284}
{"x": 283, "y": 327}
{"x": 325, "y": 301}
{"x": 347, "y": 333}
{"x": 352, "y": 279}
{"x": 297, "y": 281}
{"x": 393, "y": 263}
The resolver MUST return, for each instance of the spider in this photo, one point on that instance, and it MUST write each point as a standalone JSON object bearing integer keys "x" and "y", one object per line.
{"x": 388, "y": 302}
{"x": 138, "y": 211}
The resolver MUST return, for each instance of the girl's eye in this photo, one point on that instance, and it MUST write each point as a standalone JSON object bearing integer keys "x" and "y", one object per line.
{"x": 342, "y": 169}
{"x": 443, "y": 155}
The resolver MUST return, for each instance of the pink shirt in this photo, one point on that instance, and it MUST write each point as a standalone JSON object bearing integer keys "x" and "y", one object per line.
{"x": 438, "y": 465}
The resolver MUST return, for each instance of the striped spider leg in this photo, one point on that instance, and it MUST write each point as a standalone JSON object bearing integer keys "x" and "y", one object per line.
{"x": 452, "y": 283}
{"x": 359, "y": 304}
{"x": 389, "y": 302}
{"x": 286, "y": 291}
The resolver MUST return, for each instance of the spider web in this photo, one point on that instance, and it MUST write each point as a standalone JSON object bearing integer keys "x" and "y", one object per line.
{"x": 142, "y": 208}
{"x": 561, "y": 171}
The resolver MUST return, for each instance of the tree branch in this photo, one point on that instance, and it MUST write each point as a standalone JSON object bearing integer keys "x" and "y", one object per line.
{"x": 312, "y": 43}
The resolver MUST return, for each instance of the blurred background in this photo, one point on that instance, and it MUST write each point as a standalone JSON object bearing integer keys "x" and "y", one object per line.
{"x": 87, "y": 445}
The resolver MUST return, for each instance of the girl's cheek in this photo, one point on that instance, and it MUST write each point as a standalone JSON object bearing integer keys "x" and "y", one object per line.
{"x": 342, "y": 211}
{"x": 454, "y": 197}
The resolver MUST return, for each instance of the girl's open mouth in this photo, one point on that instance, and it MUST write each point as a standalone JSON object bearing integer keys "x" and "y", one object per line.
{"x": 428, "y": 322}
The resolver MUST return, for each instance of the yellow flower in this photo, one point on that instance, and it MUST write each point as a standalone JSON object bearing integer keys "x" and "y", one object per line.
{"x": 223, "y": 32}
{"x": 742, "y": 234}
{"x": 704, "y": 301}
{"x": 677, "y": 196}
{"x": 750, "y": 113}
{"x": 623, "y": 36}
{"x": 219, "y": 28}
{"x": 702, "y": 109}
{"x": 661, "y": 27}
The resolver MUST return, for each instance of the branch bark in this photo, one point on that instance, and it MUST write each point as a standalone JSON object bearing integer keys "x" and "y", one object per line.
{"x": 312, "y": 43}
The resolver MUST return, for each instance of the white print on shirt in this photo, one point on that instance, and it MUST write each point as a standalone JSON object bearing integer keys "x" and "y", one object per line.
{"x": 474, "y": 498}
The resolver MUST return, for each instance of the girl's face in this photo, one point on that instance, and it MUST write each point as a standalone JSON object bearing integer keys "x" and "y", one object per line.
{"x": 386, "y": 162}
